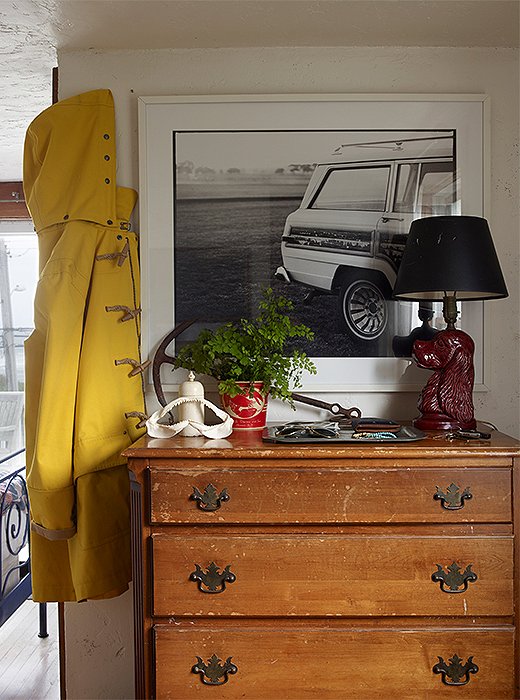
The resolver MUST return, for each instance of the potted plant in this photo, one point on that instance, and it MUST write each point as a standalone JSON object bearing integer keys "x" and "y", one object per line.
{"x": 251, "y": 359}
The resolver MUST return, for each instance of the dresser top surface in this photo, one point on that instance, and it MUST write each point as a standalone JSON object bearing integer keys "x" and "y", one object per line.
{"x": 249, "y": 444}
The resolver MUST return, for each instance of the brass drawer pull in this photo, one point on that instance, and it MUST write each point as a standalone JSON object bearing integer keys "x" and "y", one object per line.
{"x": 453, "y": 578}
{"x": 453, "y": 499}
{"x": 214, "y": 673}
{"x": 210, "y": 499}
{"x": 212, "y": 580}
{"x": 454, "y": 670}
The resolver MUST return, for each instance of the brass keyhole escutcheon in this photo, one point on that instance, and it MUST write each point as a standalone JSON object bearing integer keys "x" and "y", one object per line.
{"x": 452, "y": 498}
{"x": 210, "y": 499}
{"x": 212, "y": 580}
{"x": 214, "y": 672}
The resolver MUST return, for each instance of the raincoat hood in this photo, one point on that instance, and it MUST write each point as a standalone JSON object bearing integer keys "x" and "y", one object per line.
{"x": 70, "y": 163}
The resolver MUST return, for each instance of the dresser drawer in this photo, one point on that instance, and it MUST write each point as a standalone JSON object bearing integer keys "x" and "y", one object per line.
{"x": 331, "y": 664}
{"x": 197, "y": 494}
{"x": 331, "y": 575}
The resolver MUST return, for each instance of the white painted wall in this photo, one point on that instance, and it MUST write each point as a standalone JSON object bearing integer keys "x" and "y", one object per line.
{"x": 108, "y": 672}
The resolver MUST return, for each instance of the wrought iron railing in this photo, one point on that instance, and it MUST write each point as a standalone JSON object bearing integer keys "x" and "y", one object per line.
{"x": 15, "y": 569}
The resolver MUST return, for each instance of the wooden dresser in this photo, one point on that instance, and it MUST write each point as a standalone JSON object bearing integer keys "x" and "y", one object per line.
{"x": 325, "y": 571}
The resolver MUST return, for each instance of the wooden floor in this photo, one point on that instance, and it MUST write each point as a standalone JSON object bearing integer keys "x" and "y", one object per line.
{"x": 29, "y": 666}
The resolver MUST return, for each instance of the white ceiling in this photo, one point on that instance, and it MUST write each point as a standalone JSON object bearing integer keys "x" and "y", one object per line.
{"x": 33, "y": 31}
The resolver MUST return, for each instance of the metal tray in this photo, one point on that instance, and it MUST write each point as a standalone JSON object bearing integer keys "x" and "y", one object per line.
{"x": 406, "y": 434}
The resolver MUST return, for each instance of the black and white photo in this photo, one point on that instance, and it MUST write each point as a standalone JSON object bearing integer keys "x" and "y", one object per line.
{"x": 322, "y": 216}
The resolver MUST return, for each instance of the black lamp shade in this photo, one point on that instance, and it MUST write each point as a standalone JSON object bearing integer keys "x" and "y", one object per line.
{"x": 450, "y": 254}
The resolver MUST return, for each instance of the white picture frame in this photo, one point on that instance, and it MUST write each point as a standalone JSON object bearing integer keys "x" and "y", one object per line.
{"x": 160, "y": 117}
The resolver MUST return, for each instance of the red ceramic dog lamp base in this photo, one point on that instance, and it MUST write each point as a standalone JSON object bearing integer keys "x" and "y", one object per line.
{"x": 446, "y": 401}
{"x": 448, "y": 258}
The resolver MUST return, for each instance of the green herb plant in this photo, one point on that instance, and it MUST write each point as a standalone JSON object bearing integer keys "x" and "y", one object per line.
{"x": 252, "y": 351}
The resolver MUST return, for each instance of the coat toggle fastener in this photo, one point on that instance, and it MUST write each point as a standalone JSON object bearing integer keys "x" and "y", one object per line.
{"x": 138, "y": 414}
{"x": 129, "y": 313}
{"x": 138, "y": 367}
{"x": 121, "y": 255}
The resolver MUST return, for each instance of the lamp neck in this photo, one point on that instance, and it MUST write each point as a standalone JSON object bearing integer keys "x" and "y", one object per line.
{"x": 449, "y": 310}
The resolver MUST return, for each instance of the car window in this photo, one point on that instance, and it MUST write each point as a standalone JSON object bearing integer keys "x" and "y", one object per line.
{"x": 406, "y": 187}
{"x": 361, "y": 189}
{"x": 437, "y": 190}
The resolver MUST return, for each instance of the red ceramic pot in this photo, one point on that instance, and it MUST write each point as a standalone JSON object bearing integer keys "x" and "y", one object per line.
{"x": 249, "y": 411}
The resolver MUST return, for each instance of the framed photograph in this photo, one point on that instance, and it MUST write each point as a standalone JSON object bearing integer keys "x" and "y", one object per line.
{"x": 312, "y": 195}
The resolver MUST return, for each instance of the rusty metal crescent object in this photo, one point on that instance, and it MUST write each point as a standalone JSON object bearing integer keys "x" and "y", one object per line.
{"x": 161, "y": 357}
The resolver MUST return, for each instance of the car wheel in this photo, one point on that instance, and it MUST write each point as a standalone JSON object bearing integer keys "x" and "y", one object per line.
{"x": 363, "y": 309}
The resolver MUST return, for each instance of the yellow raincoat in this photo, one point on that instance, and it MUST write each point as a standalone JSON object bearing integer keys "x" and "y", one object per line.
{"x": 83, "y": 370}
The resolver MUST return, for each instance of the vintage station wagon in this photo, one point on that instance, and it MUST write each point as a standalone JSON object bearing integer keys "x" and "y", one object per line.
{"x": 348, "y": 235}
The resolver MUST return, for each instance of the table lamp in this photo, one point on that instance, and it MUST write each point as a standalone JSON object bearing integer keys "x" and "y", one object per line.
{"x": 448, "y": 258}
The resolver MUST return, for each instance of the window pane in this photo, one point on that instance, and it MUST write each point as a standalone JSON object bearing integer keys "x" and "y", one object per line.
{"x": 437, "y": 193}
{"x": 406, "y": 184}
{"x": 361, "y": 189}
{"x": 18, "y": 277}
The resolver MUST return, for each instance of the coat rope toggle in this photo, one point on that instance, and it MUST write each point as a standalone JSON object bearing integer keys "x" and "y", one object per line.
{"x": 138, "y": 367}
{"x": 121, "y": 255}
{"x": 129, "y": 313}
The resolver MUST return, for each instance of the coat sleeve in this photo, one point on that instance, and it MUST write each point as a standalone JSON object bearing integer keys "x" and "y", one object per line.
{"x": 52, "y": 360}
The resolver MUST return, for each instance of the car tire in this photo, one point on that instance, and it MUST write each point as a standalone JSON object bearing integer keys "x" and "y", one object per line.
{"x": 362, "y": 309}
